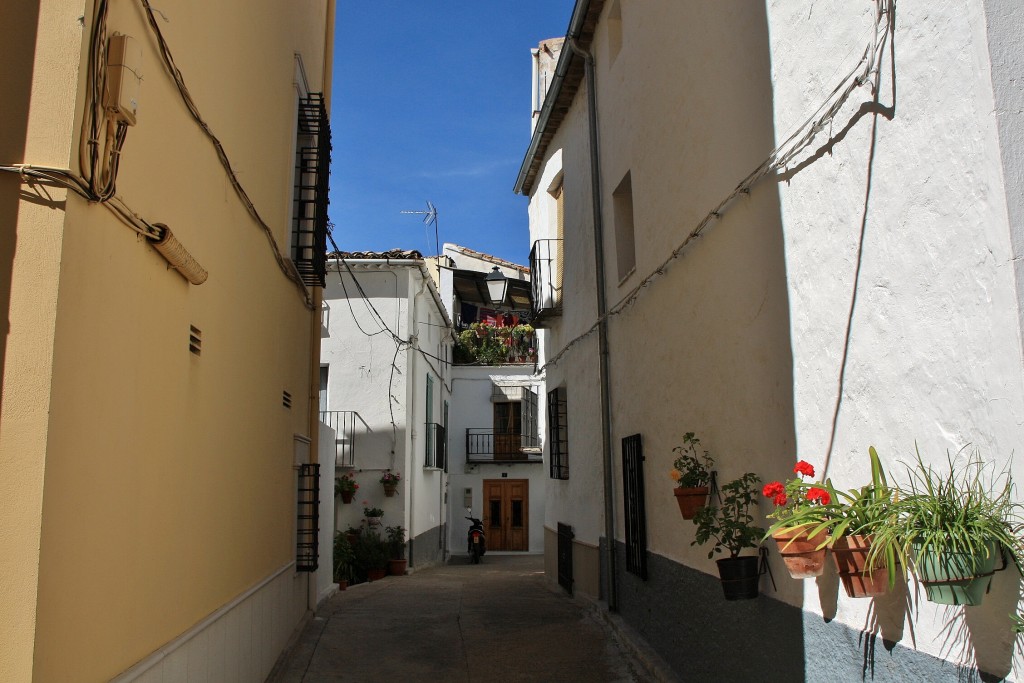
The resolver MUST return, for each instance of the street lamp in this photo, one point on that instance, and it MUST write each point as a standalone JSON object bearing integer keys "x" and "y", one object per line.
{"x": 497, "y": 286}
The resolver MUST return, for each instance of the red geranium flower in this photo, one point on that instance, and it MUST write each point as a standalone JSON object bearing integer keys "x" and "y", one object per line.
{"x": 773, "y": 489}
{"x": 805, "y": 468}
{"x": 819, "y": 495}
{"x": 779, "y": 499}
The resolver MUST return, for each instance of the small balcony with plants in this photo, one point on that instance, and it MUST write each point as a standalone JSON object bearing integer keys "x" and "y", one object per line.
{"x": 490, "y": 343}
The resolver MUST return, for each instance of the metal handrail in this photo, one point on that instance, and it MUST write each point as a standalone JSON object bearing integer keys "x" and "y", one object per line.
{"x": 343, "y": 422}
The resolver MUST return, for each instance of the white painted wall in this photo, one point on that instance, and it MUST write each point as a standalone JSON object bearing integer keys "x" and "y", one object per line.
{"x": 472, "y": 408}
{"x": 388, "y": 389}
{"x": 742, "y": 339}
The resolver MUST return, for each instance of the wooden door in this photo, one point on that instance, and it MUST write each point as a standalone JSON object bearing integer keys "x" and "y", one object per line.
{"x": 507, "y": 514}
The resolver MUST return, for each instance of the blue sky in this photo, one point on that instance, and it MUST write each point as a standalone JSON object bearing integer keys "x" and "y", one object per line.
{"x": 431, "y": 101}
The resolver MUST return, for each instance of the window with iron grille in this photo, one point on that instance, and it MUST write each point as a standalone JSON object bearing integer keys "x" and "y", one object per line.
{"x": 312, "y": 184}
{"x": 558, "y": 433}
{"x": 635, "y": 507}
{"x": 308, "y": 527}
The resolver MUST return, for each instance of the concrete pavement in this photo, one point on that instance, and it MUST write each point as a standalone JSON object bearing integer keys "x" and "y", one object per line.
{"x": 500, "y": 620}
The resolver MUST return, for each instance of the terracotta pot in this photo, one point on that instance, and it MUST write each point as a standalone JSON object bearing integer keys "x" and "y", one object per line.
{"x": 343, "y": 584}
{"x": 397, "y": 567}
{"x": 376, "y": 574}
{"x": 389, "y": 489}
{"x": 691, "y": 499}
{"x": 351, "y": 538}
{"x": 849, "y": 553}
{"x": 346, "y": 497}
{"x": 799, "y": 552}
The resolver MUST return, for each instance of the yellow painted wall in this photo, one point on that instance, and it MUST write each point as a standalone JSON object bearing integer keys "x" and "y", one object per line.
{"x": 165, "y": 480}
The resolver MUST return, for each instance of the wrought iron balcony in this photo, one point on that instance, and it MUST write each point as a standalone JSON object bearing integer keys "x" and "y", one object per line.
{"x": 546, "y": 277}
{"x": 437, "y": 446}
{"x": 344, "y": 423}
{"x": 484, "y": 445}
{"x": 312, "y": 185}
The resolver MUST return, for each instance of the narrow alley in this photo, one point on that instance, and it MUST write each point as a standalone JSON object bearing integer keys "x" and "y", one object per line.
{"x": 499, "y": 620}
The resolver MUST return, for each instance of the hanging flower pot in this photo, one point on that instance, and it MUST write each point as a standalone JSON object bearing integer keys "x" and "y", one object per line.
{"x": 691, "y": 499}
{"x": 849, "y": 553}
{"x": 952, "y": 578}
{"x": 346, "y": 497}
{"x": 390, "y": 482}
{"x": 739, "y": 577}
{"x": 803, "y": 558}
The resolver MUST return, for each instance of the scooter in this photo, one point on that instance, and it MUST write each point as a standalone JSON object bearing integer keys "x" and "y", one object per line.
{"x": 477, "y": 541}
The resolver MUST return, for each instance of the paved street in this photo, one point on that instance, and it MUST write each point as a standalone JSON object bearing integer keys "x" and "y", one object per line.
{"x": 499, "y": 620}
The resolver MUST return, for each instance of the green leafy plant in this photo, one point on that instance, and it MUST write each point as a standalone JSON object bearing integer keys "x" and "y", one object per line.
{"x": 731, "y": 525}
{"x": 396, "y": 542}
{"x": 369, "y": 552}
{"x": 690, "y": 469}
{"x": 963, "y": 510}
{"x": 344, "y": 559}
{"x": 372, "y": 511}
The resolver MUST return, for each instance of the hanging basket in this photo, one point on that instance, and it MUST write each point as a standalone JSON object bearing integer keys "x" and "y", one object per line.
{"x": 691, "y": 499}
{"x": 955, "y": 578}
{"x": 390, "y": 489}
{"x": 849, "y": 553}
{"x": 740, "y": 576}
{"x": 346, "y": 497}
{"x": 800, "y": 553}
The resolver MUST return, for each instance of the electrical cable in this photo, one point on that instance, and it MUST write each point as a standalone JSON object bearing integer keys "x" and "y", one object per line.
{"x": 179, "y": 81}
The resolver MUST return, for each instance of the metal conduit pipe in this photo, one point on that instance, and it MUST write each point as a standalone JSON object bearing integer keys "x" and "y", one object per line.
{"x": 175, "y": 253}
{"x": 602, "y": 330}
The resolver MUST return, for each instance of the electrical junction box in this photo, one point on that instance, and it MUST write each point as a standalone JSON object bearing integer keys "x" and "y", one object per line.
{"x": 124, "y": 60}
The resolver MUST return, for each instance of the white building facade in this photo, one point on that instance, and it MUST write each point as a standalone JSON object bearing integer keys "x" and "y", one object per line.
{"x": 386, "y": 386}
{"x": 798, "y": 260}
{"x": 496, "y": 470}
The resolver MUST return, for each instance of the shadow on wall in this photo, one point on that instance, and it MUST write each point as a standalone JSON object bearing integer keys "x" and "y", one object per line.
{"x": 714, "y": 334}
{"x": 18, "y": 35}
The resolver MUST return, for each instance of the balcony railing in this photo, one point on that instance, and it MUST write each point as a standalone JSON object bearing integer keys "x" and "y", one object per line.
{"x": 546, "y": 279}
{"x": 437, "y": 446}
{"x": 484, "y": 445}
{"x": 345, "y": 424}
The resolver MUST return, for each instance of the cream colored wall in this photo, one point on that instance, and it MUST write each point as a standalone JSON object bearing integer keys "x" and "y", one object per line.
{"x": 32, "y": 253}
{"x": 168, "y": 487}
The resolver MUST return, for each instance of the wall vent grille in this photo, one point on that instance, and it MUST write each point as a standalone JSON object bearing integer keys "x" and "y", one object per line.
{"x": 286, "y": 399}
{"x": 195, "y": 340}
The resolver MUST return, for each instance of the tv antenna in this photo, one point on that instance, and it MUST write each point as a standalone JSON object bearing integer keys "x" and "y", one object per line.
{"x": 430, "y": 216}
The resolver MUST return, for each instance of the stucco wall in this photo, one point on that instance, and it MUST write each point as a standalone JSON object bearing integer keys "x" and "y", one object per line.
{"x": 166, "y": 479}
{"x": 472, "y": 409}
{"x": 743, "y": 338}
{"x": 366, "y": 375}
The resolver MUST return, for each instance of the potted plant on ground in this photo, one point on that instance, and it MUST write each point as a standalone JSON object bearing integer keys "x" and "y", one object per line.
{"x": 692, "y": 474}
{"x": 731, "y": 527}
{"x": 390, "y": 481}
{"x": 344, "y": 558}
{"x": 397, "y": 563}
{"x": 346, "y": 487}
{"x": 371, "y": 557}
{"x": 800, "y": 509}
{"x": 954, "y": 528}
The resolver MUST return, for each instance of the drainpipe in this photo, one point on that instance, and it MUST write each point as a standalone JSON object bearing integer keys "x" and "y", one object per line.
{"x": 602, "y": 327}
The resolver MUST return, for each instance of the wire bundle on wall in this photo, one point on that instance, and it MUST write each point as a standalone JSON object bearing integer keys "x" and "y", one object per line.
{"x": 866, "y": 72}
